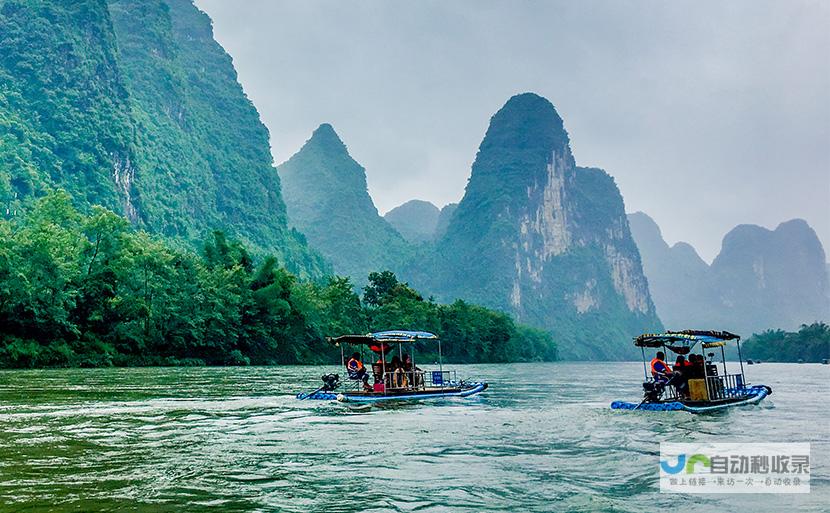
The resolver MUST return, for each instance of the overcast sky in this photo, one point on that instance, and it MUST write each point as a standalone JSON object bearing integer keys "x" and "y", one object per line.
{"x": 708, "y": 113}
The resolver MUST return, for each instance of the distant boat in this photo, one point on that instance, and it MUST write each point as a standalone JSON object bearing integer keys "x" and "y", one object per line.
{"x": 706, "y": 389}
{"x": 825, "y": 361}
{"x": 800, "y": 360}
{"x": 391, "y": 384}
{"x": 749, "y": 361}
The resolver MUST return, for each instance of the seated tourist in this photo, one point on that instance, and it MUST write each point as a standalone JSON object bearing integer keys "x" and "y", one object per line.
{"x": 411, "y": 370}
{"x": 660, "y": 370}
{"x": 399, "y": 379}
{"x": 681, "y": 375}
{"x": 695, "y": 367}
{"x": 356, "y": 370}
{"x": 377, "y": 371}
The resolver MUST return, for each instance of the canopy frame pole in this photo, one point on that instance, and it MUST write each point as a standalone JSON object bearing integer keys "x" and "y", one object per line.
{"x": 359, "y": 387}
{"x": 723, "y": 359}
{"x": 383, "y": 368}
{"x": 440, "y": 363}
{"x": 414, "y": 383}
{"x": 645, "y": 372}
{"x": 705, "y": 372}
{"x": 741, "y": 360}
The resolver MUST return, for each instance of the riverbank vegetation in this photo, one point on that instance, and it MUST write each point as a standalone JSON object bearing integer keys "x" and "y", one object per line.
{"x": 86, "y": 289}
{"x": 811, "y": 343}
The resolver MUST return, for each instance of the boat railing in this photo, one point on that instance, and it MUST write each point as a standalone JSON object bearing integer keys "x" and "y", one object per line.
{"x": 403, "y": 379}
{"x": 419, "y": 379}
{"x": 441, "y": 378}
{"x": 669, "y": 393}
{"x": 728, "y": 386}
{"x": 411, "y": 380}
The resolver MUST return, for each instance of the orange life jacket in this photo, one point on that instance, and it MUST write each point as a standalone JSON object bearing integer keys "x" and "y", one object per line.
{"x": 357, "y": 367}
{"x": 654, "y": 371}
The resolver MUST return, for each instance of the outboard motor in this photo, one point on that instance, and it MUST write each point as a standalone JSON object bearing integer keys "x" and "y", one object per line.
{"x": 330, "y": 382}
{"x": 653, "y": 391}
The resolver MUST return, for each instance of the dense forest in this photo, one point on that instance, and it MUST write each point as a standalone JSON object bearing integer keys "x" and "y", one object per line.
{"x": 811, "y": 343}
{"x": 86, "y": 289}
{"x": 131, "y": 104}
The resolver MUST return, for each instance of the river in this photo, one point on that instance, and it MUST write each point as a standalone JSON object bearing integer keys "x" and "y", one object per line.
{"x": 542, "y": 438}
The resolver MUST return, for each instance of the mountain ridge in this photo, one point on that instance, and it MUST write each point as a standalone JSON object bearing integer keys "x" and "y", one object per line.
{"x": 415, "y": 219}
{"x": 539, "y": 237}
{"x": 761, "y": 279}
{"x": 327, "y": 199}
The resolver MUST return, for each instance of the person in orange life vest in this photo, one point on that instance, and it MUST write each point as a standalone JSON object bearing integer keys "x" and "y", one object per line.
{"x": 356, "y": 370}
{"x": 660, "y": 371}
{"x": 680, "y": 364}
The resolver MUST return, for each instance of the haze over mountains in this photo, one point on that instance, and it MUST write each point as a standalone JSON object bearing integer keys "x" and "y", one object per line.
{"x": 761, "y": 278}
{"x": 132, "y": 104}
{"x": 416, "y": 220}
{"x": 421, "y": 221}
{"x": 534, "y": 235}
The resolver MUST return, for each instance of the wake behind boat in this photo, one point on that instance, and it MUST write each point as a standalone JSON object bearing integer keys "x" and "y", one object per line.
{"x": 694, "y": 385}
{"x": 394, "y": 379}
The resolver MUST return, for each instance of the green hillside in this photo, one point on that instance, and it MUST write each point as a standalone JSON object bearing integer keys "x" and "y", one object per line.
{"x": 328, "y": 201}
{"x": 134, "y": 106}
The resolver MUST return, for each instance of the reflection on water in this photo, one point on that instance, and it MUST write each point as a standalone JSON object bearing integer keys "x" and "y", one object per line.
{"x": 542, "y": 438}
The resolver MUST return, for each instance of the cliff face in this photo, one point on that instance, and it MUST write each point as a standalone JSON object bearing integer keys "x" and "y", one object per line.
{"x": 133, "y": 105}
{"x": 761, "y": 279}
{"x": 539, "y": 237}
{"x": 327, "y": 198}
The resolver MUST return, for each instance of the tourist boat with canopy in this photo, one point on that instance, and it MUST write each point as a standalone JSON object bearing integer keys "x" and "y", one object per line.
{"x": 702, "y": 388}
{"x": 391, "y": 382}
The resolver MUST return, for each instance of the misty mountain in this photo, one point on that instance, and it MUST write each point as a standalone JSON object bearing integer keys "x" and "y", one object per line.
{"x": 416, "y": 220}
{"x": 133, "y": 105}
{"x": 761, "y": 279}
{"x": 677, "y": 277}
{"x": 444, "y": 219}
{"x": 327, "y": 198}
{"x": 539, "y": 237}
{"x": 421, "y": 221}
{"x": 771, "y": 278}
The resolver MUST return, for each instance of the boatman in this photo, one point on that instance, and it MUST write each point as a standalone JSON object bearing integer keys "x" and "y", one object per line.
{"x": 659, "y": 370}
{"x": 356, "y": 370}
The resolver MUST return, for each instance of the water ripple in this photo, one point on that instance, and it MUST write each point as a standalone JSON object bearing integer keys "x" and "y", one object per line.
{"x": 235, "y": 439}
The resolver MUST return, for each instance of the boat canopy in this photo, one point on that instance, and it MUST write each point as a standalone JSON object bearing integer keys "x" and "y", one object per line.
{"x": 681, "y": 342}
{"x": 385, "y": 337}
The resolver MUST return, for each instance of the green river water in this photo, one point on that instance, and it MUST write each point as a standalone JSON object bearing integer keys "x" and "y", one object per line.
{"x": 542, "y": 438}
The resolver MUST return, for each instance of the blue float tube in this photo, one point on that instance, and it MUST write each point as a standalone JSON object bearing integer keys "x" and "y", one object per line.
{"x": 755, "y": 394}
{"x": 473, "y": 389}
{"x": 318, "y": 396}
